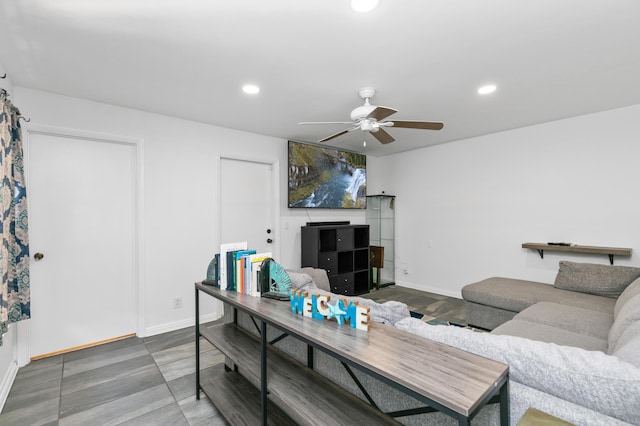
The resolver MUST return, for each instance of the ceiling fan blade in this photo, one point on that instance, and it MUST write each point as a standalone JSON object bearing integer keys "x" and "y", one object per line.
{"x": 380, "y": 113}
{"x": 326, "y": 122}
{"x": 335, "y": 135}
{"x": 426, "y": 125}
{"x": 383, "y": 136}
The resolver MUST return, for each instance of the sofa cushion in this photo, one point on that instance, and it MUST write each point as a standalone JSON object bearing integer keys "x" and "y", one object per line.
{"x": 591, "y": 379}
{"x": 546, "y": 333}
{"x": 570, "y": 318}
{"x": 602, "y": 280}
{"x": 628, "y": 314}
{"x": 631, "y": 290}
{"x": 517, "y": 295}
{"x": 487, "y": 317}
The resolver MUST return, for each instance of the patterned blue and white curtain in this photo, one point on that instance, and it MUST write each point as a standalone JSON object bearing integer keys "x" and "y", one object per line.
{"x": 15, "y": 302}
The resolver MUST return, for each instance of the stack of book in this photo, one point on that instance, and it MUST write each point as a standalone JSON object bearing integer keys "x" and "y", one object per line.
{"x": 235, "y": 268}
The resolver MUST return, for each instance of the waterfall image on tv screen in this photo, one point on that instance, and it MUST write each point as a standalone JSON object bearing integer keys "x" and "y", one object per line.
{"x": 326, "y": 177}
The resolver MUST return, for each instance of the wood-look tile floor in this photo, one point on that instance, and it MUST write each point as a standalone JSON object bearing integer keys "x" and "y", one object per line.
{"x": 431, "y": 305}
{"x": 148, "y": 381}
{"x": 133, "y": 381}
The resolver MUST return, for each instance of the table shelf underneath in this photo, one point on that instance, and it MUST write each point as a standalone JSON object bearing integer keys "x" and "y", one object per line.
{"x": 302, "y": 394}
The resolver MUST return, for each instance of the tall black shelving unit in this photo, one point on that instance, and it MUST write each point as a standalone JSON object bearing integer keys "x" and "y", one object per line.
{"x": 343, "y": 251}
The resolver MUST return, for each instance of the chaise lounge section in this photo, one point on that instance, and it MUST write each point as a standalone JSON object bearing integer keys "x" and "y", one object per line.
{"x": 494, "y": 301}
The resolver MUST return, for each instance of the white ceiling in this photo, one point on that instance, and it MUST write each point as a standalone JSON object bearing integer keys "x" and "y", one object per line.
{"x": 550, "y": 59}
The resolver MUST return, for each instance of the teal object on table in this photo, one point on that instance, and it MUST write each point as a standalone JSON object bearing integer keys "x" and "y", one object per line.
{"x": 212, "y": 272}
{"x": 275, "y": 282}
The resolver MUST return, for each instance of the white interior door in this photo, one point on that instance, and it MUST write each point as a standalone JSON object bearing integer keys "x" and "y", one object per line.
{"x": 82, "y": 220}
{"x": 247, "y": 204}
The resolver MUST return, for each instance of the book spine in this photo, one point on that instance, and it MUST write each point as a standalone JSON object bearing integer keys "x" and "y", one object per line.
{"x": 247, "y": 274}
{"x": 231, "y": 271}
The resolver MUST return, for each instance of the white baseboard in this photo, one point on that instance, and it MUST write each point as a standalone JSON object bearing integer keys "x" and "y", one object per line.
{"x": 435, "y": 290}
{"x": 178, "y": 325}
{"x": 7, "y": 382}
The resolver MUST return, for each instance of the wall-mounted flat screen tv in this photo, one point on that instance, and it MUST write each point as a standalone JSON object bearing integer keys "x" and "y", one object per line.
{"x": 326, "y": 178}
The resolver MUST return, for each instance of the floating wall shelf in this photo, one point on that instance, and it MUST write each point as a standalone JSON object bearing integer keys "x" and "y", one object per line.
{"x": 610, "y": 251}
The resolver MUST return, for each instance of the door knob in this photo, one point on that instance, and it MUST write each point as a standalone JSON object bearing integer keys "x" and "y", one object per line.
{"x": 38, "y": 256}
{"x": 268, "y": 231}
{"x": 269, "y": 240}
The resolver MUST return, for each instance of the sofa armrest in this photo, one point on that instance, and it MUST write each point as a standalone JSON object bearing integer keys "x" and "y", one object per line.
{"x": 319, "y": 276}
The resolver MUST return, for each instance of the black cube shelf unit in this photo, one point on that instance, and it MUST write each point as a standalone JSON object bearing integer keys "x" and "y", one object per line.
{"x": 343, "y": 251}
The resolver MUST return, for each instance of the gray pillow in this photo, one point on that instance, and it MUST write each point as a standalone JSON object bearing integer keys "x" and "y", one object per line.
{"x": 591, "y": 379}
{"x": 601, "y": 280}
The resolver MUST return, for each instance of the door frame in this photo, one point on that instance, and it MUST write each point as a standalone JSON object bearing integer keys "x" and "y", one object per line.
{"x": 139, "y": 291}
{"x": 275, "y": 184}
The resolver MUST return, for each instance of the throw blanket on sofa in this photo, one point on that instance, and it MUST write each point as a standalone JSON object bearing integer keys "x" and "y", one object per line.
{"x": 591, "y": 379}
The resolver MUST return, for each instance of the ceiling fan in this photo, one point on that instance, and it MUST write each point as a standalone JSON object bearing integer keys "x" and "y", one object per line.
{"x": 370, "y": 118}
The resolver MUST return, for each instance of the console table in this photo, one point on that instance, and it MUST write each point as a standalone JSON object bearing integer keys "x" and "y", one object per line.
{"x": 444, "y": 378}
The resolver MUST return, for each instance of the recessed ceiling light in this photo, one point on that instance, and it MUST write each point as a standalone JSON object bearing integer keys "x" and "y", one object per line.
{"x": 485, "y": 90}
{"x": 364, "y": 5}
{"x": 251, "y": 89}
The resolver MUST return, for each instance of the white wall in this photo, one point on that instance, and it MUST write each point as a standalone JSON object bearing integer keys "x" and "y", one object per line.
{"x": 180, "y": 189}
{"x": 463, "y": 209}
{"x": 8, "y": 363}
{"x": 181, "y": 182}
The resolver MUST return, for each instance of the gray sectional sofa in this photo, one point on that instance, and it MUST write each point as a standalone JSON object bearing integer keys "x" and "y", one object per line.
{"x": 575, "y": 360}
{"x": 582, "y": 335}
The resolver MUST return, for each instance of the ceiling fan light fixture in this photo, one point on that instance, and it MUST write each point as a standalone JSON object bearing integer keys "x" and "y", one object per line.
{"x": 363, "y": 6}
{"x": 367, "y": 126}
{"x": 251, "y": 89}
{"x": 487, "y": 89}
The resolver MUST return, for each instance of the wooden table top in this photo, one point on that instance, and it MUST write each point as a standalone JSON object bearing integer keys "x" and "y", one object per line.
{"x": 458, "y": 380}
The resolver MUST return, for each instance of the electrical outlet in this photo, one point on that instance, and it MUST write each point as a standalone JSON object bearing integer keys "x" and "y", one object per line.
{"x": 404, "y": 267}
{"x": 177, "y": 303}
